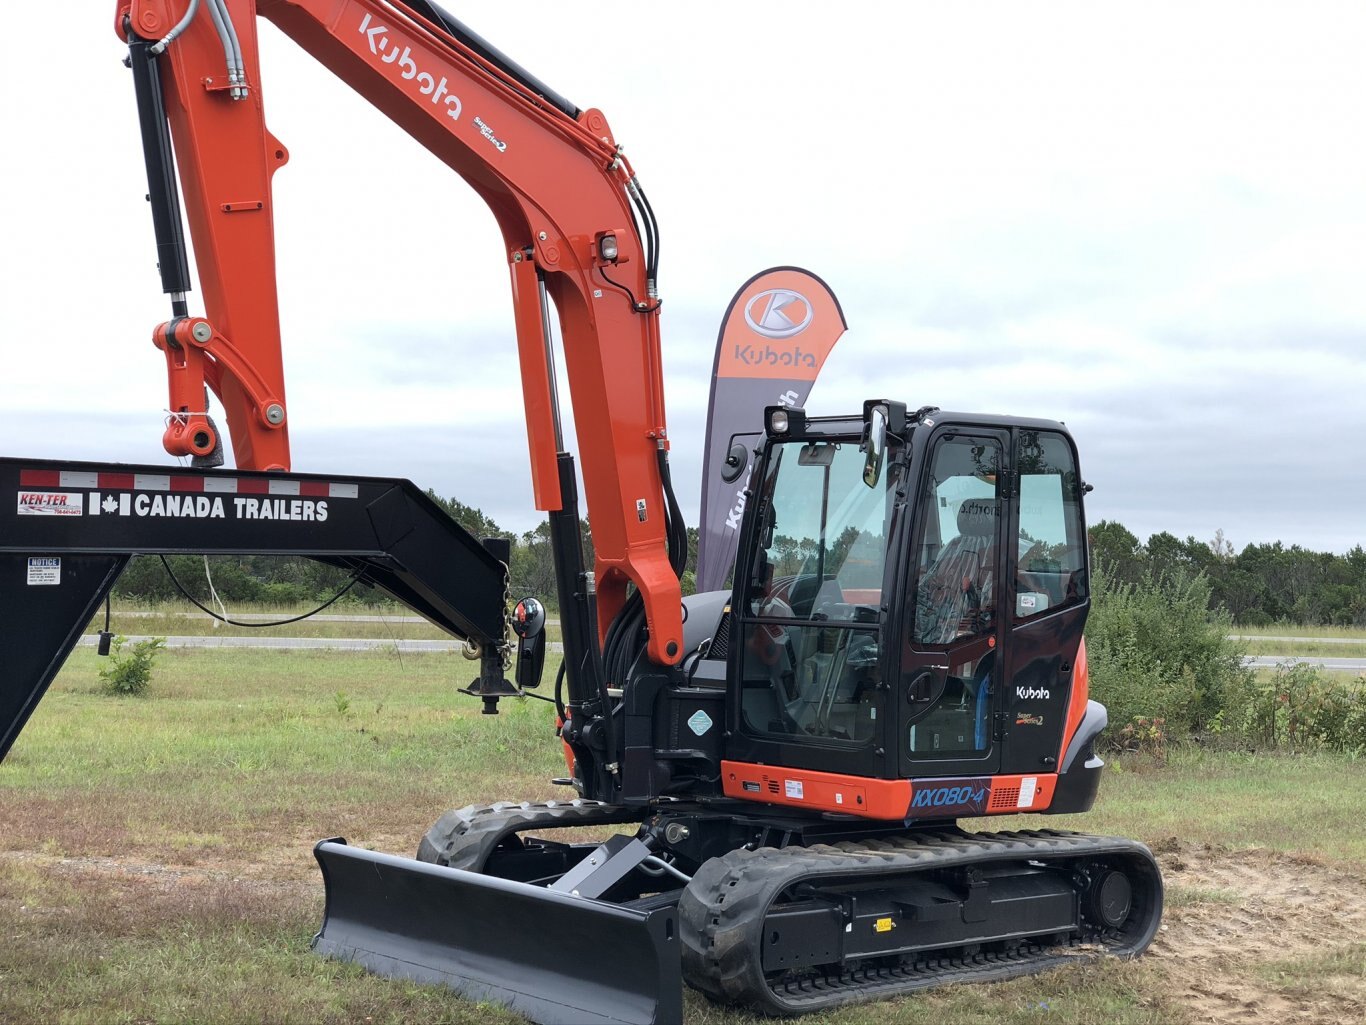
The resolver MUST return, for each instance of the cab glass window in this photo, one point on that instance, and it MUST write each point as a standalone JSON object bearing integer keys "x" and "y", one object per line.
{"x": 956, "y": 574}
{"x": 1050, "y": 552}
{"x": 811, "y": 615}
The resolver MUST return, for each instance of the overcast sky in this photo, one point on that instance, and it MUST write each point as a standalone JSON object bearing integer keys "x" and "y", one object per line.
{"x": 1147, "y": 220}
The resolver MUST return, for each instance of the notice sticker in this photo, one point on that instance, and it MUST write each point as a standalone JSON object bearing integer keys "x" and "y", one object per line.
{"x": 699, "y": 722}
{"x": 794, "y": 789}
{"x": 50, "y": 503}
{"x": 44, "y": 570}
{"x": 1027, "y": 787}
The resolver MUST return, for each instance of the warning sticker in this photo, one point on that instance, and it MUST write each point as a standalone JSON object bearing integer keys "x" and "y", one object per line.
{"x": 44, "y": 570}
{"x": 793, "y": 789}
{"x": 50, "y": 503}
{"x": 1027, "y": 787}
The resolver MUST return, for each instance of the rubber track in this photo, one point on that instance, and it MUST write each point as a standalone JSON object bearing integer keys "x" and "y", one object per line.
{"x": 722, "y": 913}
{"x": 465, "y": 837}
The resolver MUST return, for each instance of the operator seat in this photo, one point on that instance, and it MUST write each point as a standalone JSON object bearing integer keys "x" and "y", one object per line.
{"x": 957, "y": 594}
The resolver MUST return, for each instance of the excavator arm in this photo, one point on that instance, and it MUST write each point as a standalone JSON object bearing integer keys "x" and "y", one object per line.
{"x": 565, "y": 199}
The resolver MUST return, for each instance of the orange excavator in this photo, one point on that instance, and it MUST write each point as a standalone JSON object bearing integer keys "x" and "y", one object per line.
{"x": 783, "y": 767}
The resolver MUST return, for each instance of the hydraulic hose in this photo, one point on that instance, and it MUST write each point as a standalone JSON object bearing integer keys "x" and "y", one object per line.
{"x": 216, "y": 14}
{"x": 232, "y": 50}
{"x": 180, "y": 26}
{"x": 677, "y": 530}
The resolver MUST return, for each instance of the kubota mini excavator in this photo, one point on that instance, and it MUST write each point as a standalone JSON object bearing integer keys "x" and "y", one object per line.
{"x": 785, "y": 764}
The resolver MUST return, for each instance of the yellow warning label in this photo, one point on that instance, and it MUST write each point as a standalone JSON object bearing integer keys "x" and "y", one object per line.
{"x": 884, "y": 925}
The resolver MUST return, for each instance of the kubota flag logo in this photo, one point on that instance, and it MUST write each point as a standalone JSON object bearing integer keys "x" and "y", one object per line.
{"x": 779, "y": 313}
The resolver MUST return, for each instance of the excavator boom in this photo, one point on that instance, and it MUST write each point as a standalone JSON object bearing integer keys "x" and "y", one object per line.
{"x": 563, "y": 195}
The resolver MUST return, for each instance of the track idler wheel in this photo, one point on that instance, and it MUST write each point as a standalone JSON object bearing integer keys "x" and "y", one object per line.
{"x": 1110, "y": 898}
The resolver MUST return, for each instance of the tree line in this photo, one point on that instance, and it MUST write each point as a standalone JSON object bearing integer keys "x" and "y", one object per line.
{"x": 1258, "y": 586}
{"x": 292, "y": 581}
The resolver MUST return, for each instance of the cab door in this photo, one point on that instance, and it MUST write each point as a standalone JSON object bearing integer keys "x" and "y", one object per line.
{"x": 948, "y": 689}
{"x": 1050, "y": 600}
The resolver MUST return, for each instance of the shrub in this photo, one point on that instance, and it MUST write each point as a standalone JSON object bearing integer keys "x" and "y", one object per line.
{"x": 1156, "y": 652}
{"x": 1144, "y": 735}
{"x": 129, "y": 673}
{"x": 1300, "y": 707}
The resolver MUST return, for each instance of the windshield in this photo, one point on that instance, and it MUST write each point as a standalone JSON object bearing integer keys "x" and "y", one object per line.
{"x": 810, "y": 652}
{"x": 822, "y": 533}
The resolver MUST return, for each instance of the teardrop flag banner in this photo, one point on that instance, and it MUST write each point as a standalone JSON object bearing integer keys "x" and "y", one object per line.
{"x": 774, "y": 339}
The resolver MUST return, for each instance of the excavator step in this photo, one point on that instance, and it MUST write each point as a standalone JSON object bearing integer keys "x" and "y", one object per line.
{"x": 551, "y": 956}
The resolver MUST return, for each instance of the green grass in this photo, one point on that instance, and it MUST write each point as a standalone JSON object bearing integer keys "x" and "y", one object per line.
{"x": 1310, "y": 646}
{"x": 155, "y": 852}
{"x": 229, "y": 750}
{"x": 182, "y": 619}
{"x": 1353, "y": 633}
{"x": 1300, "y": 802}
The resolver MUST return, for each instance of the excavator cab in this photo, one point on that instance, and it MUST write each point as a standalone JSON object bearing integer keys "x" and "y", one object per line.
{"x": 910, "y": 607}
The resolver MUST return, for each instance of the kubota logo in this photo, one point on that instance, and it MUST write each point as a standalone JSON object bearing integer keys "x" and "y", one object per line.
{"x": 768, "y": 356}
{"x": 737, "y": 511}
{"x": 779, "y": 313}
{"x": 377, "y": 36}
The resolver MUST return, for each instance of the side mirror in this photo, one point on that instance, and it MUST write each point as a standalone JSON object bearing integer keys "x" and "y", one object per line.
{"x": 528, "y": 623}
{"x": 737, "y": 460}
{"x": 874, "y": 443}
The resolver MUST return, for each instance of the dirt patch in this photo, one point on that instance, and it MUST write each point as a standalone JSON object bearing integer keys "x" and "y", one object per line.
{"x": 1248, "y": 935}
{"x": 1235, "y": 914}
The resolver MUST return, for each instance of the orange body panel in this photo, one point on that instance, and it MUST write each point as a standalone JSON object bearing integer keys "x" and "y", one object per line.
{"x": 1076, "y": 704}
{"x": 1013, "y": 793}
{"x": 890, "y": 799}
{"x": 553, "y": 183}
{"x": 823, "y": 791}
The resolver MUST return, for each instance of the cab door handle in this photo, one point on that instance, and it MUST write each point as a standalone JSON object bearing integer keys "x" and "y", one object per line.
{"x": 927, "y": 685}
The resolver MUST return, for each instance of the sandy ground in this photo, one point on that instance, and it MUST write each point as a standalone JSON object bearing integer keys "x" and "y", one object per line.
{"x": 1241, "y": 912}
{"x": 1274, "y": 908}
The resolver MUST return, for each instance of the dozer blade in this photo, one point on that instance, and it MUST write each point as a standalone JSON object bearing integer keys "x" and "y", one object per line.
{"x": 548, "y": 955}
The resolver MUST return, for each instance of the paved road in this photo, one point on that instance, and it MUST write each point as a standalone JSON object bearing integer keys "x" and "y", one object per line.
{"x": 266, "y": 617}
{"x": 1352, "y": 665}
{"x": 1349, "y": 665}
{"x": 308, "y": 643}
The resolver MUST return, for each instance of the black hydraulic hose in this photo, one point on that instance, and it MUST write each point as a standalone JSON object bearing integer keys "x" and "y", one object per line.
{"x": 650, "y": 227}
{"x": 559, "y": 692}
{"x": 653, "y": 264}
{"x": 619, "y": 647}
{"x": 678, "y": 531}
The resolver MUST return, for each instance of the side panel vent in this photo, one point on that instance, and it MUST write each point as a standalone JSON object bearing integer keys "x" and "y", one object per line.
{"x": 720, "y": 645}
{"x": 1004, "y": 799}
